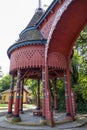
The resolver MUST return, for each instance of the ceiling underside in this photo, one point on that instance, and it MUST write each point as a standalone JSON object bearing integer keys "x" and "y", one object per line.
{"x": 68, "y": 28}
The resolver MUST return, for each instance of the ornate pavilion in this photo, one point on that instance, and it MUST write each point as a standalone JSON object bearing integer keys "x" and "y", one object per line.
{"x": 42, "y": 52}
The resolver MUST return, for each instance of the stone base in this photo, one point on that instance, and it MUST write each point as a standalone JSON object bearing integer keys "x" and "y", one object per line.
{"x": 16, "y": 119}
{"x": 9, "y": 115}
{"x": 43, "y": 121}
{"x": 49, "y": 123}
{"x": 69, "y": 118}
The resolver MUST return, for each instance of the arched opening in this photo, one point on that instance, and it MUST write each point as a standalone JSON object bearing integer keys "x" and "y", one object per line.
{"x": 79, "y": 72}
{"x": 63, "y": 37}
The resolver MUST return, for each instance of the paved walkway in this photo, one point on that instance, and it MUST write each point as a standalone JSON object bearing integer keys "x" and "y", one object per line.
{"x": 30, "y": 122}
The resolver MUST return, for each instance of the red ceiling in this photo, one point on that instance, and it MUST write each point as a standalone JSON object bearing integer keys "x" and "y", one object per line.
{"x": 68, "y": 28}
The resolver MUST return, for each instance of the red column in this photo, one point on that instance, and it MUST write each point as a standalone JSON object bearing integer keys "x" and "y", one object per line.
{"x": 73, "y": 102}
{"x": 21, "y": 97}
{"x": 49, "y": 112}
{"x": 38, "y": 96}
{"x": 67, "y": 97}
{"x": 55, "y": 97}
{"x": 43, "y": 93}
{"x": 69, "y": 108}
{"x": 69, "y": 92}
{"x": 11, "y": 97}
{"x": 17, "y": 100}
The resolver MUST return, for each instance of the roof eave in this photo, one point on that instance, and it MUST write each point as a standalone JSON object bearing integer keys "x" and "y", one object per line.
{"x": 25, "y": 43}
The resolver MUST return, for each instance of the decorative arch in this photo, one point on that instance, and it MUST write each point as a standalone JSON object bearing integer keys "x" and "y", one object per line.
{"x": 70, "y": 19}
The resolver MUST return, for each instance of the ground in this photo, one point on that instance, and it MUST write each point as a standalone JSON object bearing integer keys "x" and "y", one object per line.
{"x": 81, "y": 128}
{"x": 28, "y": 119}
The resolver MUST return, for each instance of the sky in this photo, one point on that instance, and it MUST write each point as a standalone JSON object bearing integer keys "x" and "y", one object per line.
{"x": 14, "y": 17}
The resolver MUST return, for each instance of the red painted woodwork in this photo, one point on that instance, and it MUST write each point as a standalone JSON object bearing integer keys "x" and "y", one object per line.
{"x": 67, "y": 96}
{"x": 46, "y": 25}
{"x": 55, "y": 97}
{"x": 11, "y": 97}
{"x": 49, "y": 112}
{"x": 69, "y": 90}
{"x": 57, "y": 60}
{"x": 21, "y": 96}
{"x": 38, "y": 96}
{"x": 73, "y": 99}
{"x": 43, "y": 93}
{"x": 73, "y": 102}
{"x": 17, "y": 100}
{"x": 68, "y": 28}
{"x": 28, "y": 56}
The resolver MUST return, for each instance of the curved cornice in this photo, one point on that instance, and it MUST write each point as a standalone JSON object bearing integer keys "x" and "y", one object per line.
{"x": 27, "y": 29}
{"x": 25, "y": 43}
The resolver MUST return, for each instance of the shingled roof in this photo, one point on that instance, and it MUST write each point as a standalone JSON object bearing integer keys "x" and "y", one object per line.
{"x": 30, "y": 32}
{"x": 38, "y": 13}
{"x": 30, "y": 35}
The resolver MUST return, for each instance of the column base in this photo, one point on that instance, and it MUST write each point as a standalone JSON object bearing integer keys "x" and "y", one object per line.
{"x": 50, "y": 123}
{"x": 16, "y": 119}
{"x": 69, "y": 117}
{"x": 56, "y": 110}
{"x": 9, "y": 115}
{"x": 43, "y": 120}
{"x": 50, "y": 119}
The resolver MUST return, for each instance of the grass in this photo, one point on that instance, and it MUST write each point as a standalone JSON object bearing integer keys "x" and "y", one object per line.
{"x": 28, "y": 105}
{"x": 5, "y": 106}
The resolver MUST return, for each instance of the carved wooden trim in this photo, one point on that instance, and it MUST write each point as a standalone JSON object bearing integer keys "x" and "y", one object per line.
{"x": 57, "y": 60}
{"x": 30, "y": 56}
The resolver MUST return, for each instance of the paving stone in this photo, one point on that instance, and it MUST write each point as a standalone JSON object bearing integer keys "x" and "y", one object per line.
{"x": 28, "y": 118}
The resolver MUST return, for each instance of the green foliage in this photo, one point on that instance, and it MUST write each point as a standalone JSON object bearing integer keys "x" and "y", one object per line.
{"x": 79, "y": 71}
{"x": 5, "y": 83}
{"x": 83, "y": 86}
{"x": 33, "y": 88}
{"x": 1, "y": 74}
{"x": 81, "y": 47}
{"x": 61, "y": 94}
{"x": 75, "y": 67}
{"x": 51, "y": 90}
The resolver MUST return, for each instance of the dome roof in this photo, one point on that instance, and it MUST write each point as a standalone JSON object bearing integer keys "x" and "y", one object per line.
{"x": 31, "y": 32}
{"x": 30, "y": 35}
{"x": 38, "y": 13}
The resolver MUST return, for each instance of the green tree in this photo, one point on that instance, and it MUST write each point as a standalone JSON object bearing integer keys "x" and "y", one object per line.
{"x": 79, "y": 71}
{"x": 81, "y": 46}
{"x": 1, "y": 74}
{"x": 32, "y": 85}
{"x": 5, "y": 83}
{"x": 75, "y": 67}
